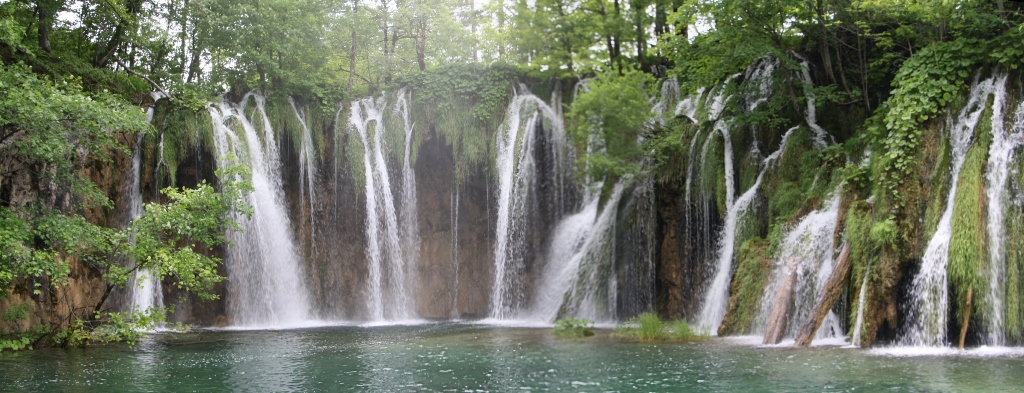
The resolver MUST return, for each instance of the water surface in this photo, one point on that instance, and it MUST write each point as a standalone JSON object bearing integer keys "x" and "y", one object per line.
{"x": 461, "y": 357}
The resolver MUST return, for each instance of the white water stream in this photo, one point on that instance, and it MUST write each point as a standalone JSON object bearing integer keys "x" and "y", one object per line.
{"x": 265, "y": 285}
{"x": 389, "y": 296}
{"x": 929, "y": 292}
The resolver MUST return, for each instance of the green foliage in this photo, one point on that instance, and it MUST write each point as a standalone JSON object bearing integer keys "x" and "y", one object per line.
{"x": 669, "y": 147}
{"x": 22, "y": 341}
{"x": 127, "y": 327}
{"x": 165, "y": 237}
{"x": 50, "y": 125}
{"x": 925, "y": 84}
{"x": 1008, "y": 49}
{"x": 611, "y": 114}
{"x": 747, "y": 287}
{"x": 17, "y": 312}
{"x": 885, "y": 232}
{"x": 465, "y": 104}
{"x": 786, "y": 201}
{"x": 1014, "y": 227}
{"x": 574, "y": 328}
{"x": 968, "y": 245}
{"x": 648, "y": 327}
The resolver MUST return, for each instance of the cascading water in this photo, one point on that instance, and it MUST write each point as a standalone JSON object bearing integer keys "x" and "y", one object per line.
{"x": 668, "y": 101}
{"x": 388, "y": 296}
{"x": 929, "y": 311}
{"x": 516, "y": 171}
{"x": 409, "y": 217}
{"x": 716, "y": 299}
{"x": 455, "y": 253}
{"x": 858, "y": 325}
{"x": 688, "y": 106}
{"x": 146, "y": 290}
{"x": 1000, "y": 155}
{"x": 821, "y": 137}
{"x": 584, "y": 287}
{"x": 307, "y": 169}
{"x": 568, "y": 243}
{"x": 808, "y": 252}
{"x": 265, "y": 286}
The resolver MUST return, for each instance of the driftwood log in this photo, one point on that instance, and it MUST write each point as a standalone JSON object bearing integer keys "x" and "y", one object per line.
{"x": 777, "y": 319}
{"x": 829, "y": 294}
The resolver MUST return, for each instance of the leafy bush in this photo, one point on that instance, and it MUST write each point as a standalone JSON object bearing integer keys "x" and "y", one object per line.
{"x": 608, "y": 117}
{"x": 649, "y": 327}
{"x": 574, "y": 328}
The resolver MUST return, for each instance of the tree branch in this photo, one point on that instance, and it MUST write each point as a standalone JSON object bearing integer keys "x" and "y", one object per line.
{"x": 156, "y": 85}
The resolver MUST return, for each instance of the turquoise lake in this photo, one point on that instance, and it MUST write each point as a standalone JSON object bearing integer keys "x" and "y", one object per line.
{"x": 450, "y": 357}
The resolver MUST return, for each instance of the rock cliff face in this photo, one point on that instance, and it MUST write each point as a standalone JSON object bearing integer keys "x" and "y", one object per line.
{"x": 454, "y": 277}
{"x": 59, "y": 303}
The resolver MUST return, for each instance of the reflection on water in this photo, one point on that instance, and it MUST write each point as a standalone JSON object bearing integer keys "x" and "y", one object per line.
{"x": 455, "y": 357}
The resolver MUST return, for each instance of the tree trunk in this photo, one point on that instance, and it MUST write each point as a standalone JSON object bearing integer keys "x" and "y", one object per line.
{"x": 777, "y": 319}
{"x": 421, "y": 46}
{"x": 967, "y": 317}
{"x": 640, "y": 42}
{"x": 104, "y": 53}
{"x": 46, "y": 12}
{"x": 193, "y": 66}
{"x": 659, "y": 18}
{"x": 829, "y": 294}
{"x": 352, "y": 52}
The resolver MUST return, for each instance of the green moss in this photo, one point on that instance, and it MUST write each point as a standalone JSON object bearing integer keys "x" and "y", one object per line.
{"x": 1014, "y": 226}
{"x": 968, "y": 251}
{"x": 863, "y": 248}
{"x": 785, "y": 201}
{"x": 671, "y": 151}
{"x": 465, "y": 104}
{"x": 747, "y": 288}
{"x": 940, "y": 182}
{"x": 183, "y": 131}
{"x": 712, "y": 170}
{"x": 356, "y": 158}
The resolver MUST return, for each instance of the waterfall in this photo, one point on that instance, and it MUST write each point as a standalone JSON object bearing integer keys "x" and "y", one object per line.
{"x": 929, "y": 312}
{"x": 716, "y": 299}
{"x": 807, "y": 251}
{"x": 455, "y": 253}
{"x": 265, "y": 286}
{"x": 146, "y": 290}
{"x": 572, "y": 242}
{"x": 388, "y": 292}
{"x": 587, "y": 282}
{"x": 1000, "y": 155}
{"x": 307, "y": 170}
{"x": 516, "y": 172}
{"x": 862, "y": 294}
{"x": 409, "y": 217}
{"x": 688, "y": 106}
{"x": 811, "y": 114}
{"x": 668, "y": 101}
